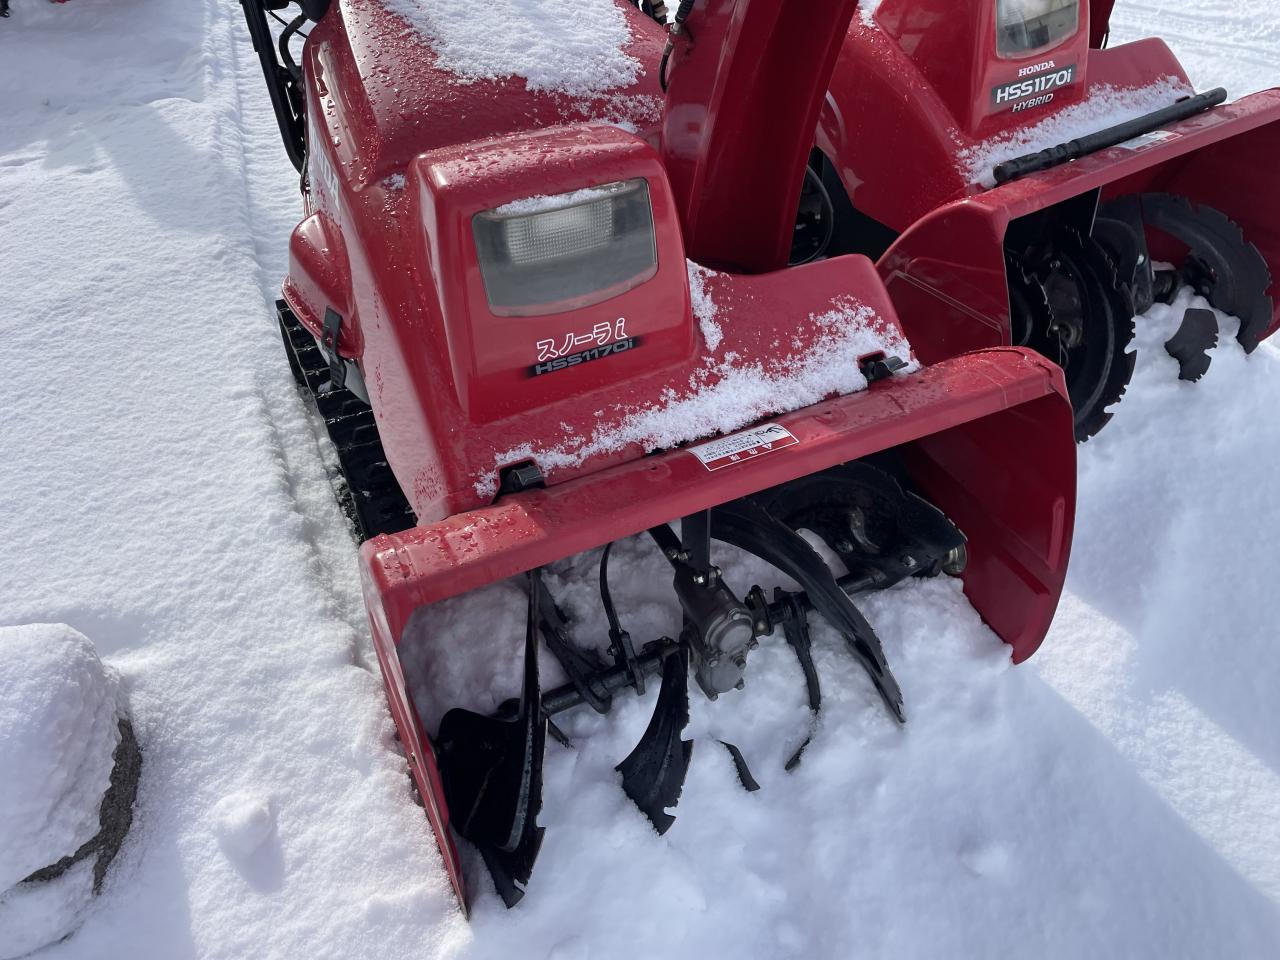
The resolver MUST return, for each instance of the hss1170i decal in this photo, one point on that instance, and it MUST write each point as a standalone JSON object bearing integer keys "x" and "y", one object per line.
{"x": 560, "y": 354}
{"x": 1035, "y": 87}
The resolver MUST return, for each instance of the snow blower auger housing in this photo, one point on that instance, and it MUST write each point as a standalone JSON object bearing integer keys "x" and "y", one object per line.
{"x": 493, "y": 311}
{"x": 1027, "y": 186}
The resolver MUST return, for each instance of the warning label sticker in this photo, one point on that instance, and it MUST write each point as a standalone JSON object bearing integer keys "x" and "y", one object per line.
{"x": 742, "y": 446}
{"x": 1152, "y": 139}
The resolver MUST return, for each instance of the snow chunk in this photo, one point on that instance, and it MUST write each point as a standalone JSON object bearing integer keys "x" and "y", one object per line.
{"x": 704, "y": 308}
{"x": 867, "y": 11}
{"x": 58, "y": 730}
{"x": 1106, "y": 106}
{"x": 527, "y": 38}
{"x": 727, "y": 393}
{"x": 243, "y": 822}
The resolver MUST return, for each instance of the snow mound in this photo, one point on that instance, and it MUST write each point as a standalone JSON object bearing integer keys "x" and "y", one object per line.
{"x": 58, "y": 714}
{"x": 1105, "y": 107}
{"x": 33, "y": 915}
{"x": 527, "y": 38}
{"x": 59, "y": 709}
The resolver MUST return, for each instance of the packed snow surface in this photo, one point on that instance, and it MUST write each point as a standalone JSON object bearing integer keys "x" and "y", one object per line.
{"x": 164, "y": 493}
{"x": 1105, "y": 107}
{"x": 529, "y": 39}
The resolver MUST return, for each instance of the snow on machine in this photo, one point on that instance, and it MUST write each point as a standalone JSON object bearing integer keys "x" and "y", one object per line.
{"x": 490, "y": 301}
{"x": 1024, "y": 184}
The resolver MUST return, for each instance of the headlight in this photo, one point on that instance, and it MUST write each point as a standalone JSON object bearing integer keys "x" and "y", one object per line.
{"x": 566, "y": 251}
{"x": 1025, "y": 26}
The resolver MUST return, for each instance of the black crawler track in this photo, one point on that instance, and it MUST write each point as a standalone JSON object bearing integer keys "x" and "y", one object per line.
{"x": 372, "y": 498}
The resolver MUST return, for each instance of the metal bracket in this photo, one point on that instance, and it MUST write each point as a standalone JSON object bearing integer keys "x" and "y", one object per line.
{"x": 878, "y": 366}
{"x": 519, "y": 477}
{"x": 331, "y": 332}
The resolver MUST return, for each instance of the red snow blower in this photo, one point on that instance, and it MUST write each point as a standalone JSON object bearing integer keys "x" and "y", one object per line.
{"x": 489, "y": 303}
{"x": 1023, "y": 185}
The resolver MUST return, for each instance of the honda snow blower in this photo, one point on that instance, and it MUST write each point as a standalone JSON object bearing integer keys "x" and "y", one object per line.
{"x": 490, "y": 304}
{"x": 1023, "y": 185}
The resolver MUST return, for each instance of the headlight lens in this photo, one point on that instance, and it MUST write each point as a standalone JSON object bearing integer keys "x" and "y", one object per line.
{"x": 1025, "y": 26}
{"x": 561, "y": 252}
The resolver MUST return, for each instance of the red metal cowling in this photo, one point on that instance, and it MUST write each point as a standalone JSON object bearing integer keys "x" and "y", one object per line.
{"x": 743, "y": 99}
{"x": 946, "y": 273}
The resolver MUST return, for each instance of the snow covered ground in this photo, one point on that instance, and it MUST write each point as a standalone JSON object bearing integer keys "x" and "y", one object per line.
{"x": 163, "y": 492}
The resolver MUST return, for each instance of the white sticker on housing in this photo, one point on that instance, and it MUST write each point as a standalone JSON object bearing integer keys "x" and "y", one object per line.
{"x": 744, "y": 445}
{"x": 1152, "y": 139}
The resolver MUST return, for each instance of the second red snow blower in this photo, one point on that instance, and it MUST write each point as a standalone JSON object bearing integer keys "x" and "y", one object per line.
{"x": 1026, "y": 184}
{"x": 489, "y": 302}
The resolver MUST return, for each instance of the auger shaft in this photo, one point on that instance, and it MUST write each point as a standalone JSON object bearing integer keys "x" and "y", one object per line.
{"x": 612, "y": 679}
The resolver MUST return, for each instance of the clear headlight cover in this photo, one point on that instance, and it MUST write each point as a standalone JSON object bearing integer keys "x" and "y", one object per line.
{"x": 566, "y": 251}
{"x": 1026, "y": 26}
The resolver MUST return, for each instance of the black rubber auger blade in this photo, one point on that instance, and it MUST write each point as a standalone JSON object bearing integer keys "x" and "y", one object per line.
{"x": 1197, "y": 334}
{"x": 747, "y": 525}
{"x": 1222, "y": 266}
{"x": 492, "y": 774}
{"x": 1119, "y": 228}
{"x": 653, "y": 773}
{"x": 796, "y": 631}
